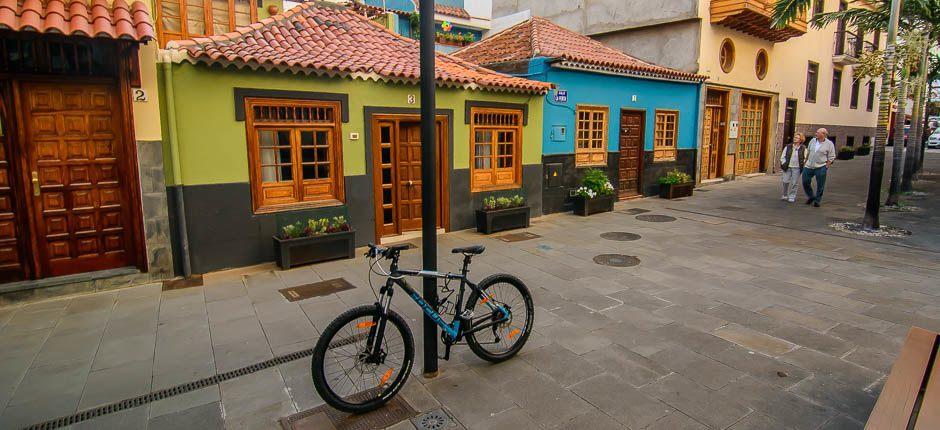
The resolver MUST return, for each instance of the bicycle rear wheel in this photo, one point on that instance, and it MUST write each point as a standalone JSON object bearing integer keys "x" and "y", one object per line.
{"x": 505, "y": 339}
{"x": 345, "y": 375}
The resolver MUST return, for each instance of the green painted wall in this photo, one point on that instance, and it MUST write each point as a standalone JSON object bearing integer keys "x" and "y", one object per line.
{"x": 213, "y": 145}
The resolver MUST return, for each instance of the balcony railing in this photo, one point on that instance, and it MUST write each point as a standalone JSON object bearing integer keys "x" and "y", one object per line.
{"x": 848, "y": 47}
{"x": 753, "y": 17}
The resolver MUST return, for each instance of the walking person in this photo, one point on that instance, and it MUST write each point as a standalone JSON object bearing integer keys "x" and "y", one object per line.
{"x": 821, "y": 154}
{"x": 792, "y": 161}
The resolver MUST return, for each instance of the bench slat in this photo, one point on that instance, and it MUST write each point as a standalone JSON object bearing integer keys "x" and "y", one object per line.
{"x": 929, "y": 418}
{"x": 896, "y": 402}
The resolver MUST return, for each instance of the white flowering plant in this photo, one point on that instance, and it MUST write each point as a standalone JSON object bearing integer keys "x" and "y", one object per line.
{"x": 594, "y": 184}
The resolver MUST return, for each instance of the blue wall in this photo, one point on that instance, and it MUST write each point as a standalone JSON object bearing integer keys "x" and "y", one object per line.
{"x": 615, "y": 92}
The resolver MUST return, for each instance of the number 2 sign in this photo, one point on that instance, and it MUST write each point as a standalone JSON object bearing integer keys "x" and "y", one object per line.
{"x": 139, "y": 95}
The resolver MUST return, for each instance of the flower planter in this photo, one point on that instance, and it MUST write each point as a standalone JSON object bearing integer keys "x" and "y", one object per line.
{"x": 846, "y": 155}
{"x": 491, "y": 221}
{"x": 584, "y": 206}
{"x": 863, "y": 150}
{"x": 675, "y": 191}
{"x": 314, "y": 249}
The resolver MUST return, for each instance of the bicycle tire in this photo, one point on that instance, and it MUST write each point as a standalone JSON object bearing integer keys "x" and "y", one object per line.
{"x": 318, "y": 370}
{"x": 474, "y": 343}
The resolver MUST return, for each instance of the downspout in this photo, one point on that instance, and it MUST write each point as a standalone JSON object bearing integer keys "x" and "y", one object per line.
{"x": 180, "y": 207}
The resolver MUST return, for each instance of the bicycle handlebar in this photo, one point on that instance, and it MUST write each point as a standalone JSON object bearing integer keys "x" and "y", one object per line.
{"x": 390, "y": 252}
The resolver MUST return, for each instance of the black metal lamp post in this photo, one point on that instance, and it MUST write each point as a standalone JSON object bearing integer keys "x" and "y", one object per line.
{"x": 428, "y": 180}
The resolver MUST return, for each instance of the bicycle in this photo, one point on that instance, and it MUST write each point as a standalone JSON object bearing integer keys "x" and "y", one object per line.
{"x": 361, "y": 361}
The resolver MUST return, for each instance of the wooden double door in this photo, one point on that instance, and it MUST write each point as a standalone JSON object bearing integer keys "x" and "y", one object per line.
{"x": 68, "y": 189}
{"x": 631, "y": 153}
{"x": 397, "y": 179}
{"x": 752, "y": 134}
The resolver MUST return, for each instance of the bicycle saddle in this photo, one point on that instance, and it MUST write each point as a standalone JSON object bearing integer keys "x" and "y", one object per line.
{"x": 469, "y": 250}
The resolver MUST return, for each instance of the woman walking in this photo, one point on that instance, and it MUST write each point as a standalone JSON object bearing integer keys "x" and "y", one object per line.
{"x": 791, "y": 161}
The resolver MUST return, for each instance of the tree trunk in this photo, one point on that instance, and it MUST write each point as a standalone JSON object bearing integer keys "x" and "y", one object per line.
{"x": 917, "y": 125}
{"x": 923, "y": 148}
{"x": 873, "y": 204}
{"x": 897, "y": 156}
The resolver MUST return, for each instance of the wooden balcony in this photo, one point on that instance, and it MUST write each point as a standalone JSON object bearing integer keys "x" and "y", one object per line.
{"x": 753, "y": 17}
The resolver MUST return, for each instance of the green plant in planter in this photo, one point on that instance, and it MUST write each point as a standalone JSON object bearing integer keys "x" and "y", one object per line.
{"x": 846, "y": 149}
{"x": 493, "y": 203}
{"x": 675, "y": 177}
{"x": 594, "y": 184}
{"x": 314, "y": 227}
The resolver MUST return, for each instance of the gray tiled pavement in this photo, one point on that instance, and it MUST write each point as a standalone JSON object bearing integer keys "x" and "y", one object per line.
{"x": 729, "y": 322}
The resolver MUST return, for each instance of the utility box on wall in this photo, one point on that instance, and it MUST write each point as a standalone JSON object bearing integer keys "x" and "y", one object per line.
{"x": 553, "y": 175}
{"x": 559, "y": 133}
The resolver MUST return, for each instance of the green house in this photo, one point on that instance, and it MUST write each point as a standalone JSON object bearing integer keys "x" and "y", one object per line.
{"x": 315, "y": 112}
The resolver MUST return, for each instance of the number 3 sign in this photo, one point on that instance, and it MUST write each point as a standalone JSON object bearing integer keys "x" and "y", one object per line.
{"x": 139, "y": 95}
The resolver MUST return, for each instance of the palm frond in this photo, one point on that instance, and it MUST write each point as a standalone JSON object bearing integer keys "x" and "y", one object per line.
{"x": 865, "y": 18}
{"x": 787, "y": 11}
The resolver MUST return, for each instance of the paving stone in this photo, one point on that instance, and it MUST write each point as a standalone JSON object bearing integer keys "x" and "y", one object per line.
{"x": 236, "y": 330}
{"x": 758, "y": 421}
{"x": 456, "y": 387}
{"x": 744, "y": 317}
{"x": 498, "y": 373}
{"x": 826, "y": 391}
{"x": 810, "y": 339}
{"x": 37, "y": 411}
{"x": 130, "y": 419}
{"x": 185, "y": 401}
{"x": 53, "y": 381}
{"x": 253, "y": 395}
{"x": 631, "y": 367}
{"x": 753, "y": 340}
{"x": 848, "y": 373}
{"x": 871, "y": 358}
{"x": 808, "y": 321}
{"x": 639, "y": 318}
{"x": 842, "y": 422}
{"x": 676, "y": 421}
{"x": 564, "y": 366}
{"x": 639, "y": 299}
{"x": 595, "y": 420}
{"x": 545, "y": 400}
{"x": 299, "y": 384}
{"x": 583, "y": 317}
{"x": 515, "y": 418}
{"x": 230, "y": 309}
{"x": 706, "y": 406}
{"x": 264, "y": 417}
{"x": 589, "y": 298}
{"x": 117, "y": 383}
{"x": 238, "y": 354}
{"x": 622, "y": 402}
{"x": 117, "y": 352}
{"x": 574, "y": 338}
{"x": 698, "y": 341}
{"x": 417, "y": 395}
{"x": 691, "y": 318}
{"x": 787, "y": 408}
{"x": 698, "y": 368}
{"x": 208, "y": 417}
{"x": 67, "y": 348}
{"x": 643, "y": 342}
{"x": 867, "y": 338}
{"x": 759, "y": 366}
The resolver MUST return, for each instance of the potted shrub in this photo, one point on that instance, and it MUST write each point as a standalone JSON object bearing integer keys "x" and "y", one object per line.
{"x": 863, "y": 150}
{"x": 846, "y": 153}
{"x": 675, "y": 184}
{"x": 314, "y": 241}
{"x": 595, "y": 195}
{"x": 502, "y": 213}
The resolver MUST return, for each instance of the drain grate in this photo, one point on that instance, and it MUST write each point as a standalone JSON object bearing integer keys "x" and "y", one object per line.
{"x": 434, "y": 420}
{"x": 324, "y": 416}
{"x": 634, "y": 211}
{"x": 655, "y": 218}
{"x": 141, "y": 400}
{"x": 617, "y": 260}
{"x": 518, "y": 237}
{"x": 316, "y": 289}
{"x": 620, "y": 235}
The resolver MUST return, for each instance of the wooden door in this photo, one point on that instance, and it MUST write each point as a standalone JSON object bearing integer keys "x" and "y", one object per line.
{"x": 713, "y": 134}
{"x": 631, "y": 152}
{"x": 12, "y": 265}
{"x": 789, "y": 121}
{"x": 408, "y": 166}
{"x": 751, "y": 134}
{"x": 76, "y": 178}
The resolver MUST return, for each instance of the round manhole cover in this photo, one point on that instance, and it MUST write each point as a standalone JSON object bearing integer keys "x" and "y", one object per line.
{"x": 617, "y": 260}
{"x": 433, "y": 420}
{"x": 620, "y": 235}
{"x": 655, "y": 218}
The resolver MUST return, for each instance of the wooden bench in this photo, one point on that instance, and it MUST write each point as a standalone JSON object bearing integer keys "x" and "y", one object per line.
{"x": 911, "y": 395}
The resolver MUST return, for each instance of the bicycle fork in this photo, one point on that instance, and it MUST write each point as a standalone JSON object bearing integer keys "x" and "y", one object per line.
{"x": 377, "y": 329}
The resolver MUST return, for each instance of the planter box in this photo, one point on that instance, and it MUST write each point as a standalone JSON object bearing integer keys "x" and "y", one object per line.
{"x": 845, "y": 155}
{"x": 305, "y": 250}
{"x": 675, "y": 191}
{"x": 863, "y": 150}
{"x": 495, "y": 220}
{"x": 584, "y": 206}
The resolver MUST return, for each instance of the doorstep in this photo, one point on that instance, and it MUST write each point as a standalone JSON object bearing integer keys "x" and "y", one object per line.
{"x": 39, "y": 289}
{"x": 406, "y": 236}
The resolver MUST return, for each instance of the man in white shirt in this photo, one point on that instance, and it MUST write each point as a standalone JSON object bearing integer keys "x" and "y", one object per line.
{"x": 821, "y": 155}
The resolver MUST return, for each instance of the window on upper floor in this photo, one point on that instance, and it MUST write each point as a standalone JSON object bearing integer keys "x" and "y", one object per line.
{"x": 870, "y": 103}
{"x": 836, "y": 93}
{"x": 819, "y": 6}
{"x": 761, "y": 64}
{"x": 590, "y": 142}
{"x": 726, "y": 55}
{"x": 812, "y": 81}
{"x": 184, "y": 19}
{"x": 665, "y": 135}
{"x": 496, "y": 153}
{"x": 294, "y": 153}
{"x": 853, "y": 101}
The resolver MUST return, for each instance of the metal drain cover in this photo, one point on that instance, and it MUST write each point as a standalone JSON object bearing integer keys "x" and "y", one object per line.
{"x": 323, "y": 416}
{"x": 617, "y": 260}
{"x": 316, "y": 289}
{"x": 655, "y": 218}
{"x": 518, "y": 237}
{"x": 620, "y": 235}
{"x": 434, "y": 420}
{"x": 635, "y": 211}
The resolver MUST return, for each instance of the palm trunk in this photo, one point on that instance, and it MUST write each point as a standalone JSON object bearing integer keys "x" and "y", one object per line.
{"x": 917, "y": 124}
{"x": 897, "y": 156}
{"x": 873, "y": 204}
{"x": 923, "y": 148}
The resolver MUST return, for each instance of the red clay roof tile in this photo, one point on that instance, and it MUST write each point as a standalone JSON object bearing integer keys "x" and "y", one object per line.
{"x": 539, "y": 37}
{"x": 327, "y": 39}
{"x": 116, "y": 21}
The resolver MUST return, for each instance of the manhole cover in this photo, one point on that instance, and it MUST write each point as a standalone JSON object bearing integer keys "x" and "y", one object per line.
{"x": 616, "y": 260}
{"x": 316, "y": 289}
{"x": 517, "y": 237}
{"x": 434, "y": 420}
{"x": 634, "y": 211}
{"x": 324, "y": 416}
{"x": 655, "y": 218}
{"x": 731, "y": 208}
{"x": 620, "y": 235}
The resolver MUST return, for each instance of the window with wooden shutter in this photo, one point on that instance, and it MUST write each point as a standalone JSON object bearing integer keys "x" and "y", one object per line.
{"x": 590, "y": 142}
{"x": 496, "y": 150}
{"x": 184, "y": 19}
{"x": 664, "y": 137}
{"x": 295, "y": 153}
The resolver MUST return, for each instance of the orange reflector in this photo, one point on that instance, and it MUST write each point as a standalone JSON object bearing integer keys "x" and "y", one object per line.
{"x": 366, "y": 324}
{"x": 513, "y": 333}
{"x": 486, "y": 299}
{"x": 387, "y": 375}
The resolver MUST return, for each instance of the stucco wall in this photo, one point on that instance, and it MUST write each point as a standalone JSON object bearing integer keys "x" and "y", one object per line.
{"x": 600, "y": 16}
{"x": 672, "y": 45}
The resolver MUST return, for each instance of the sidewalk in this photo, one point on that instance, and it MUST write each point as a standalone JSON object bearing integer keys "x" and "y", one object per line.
{"x": 729, "y": 321}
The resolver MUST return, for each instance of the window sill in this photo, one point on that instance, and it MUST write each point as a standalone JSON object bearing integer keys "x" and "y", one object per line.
{"x": 495, "y": 188}
{"x": 298, "y": 206}
{"x": 586, "y": 165}
{"x": 664, "y": 160}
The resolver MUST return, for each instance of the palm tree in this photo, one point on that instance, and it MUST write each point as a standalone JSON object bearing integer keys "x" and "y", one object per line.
{"x": 917, "y": 125}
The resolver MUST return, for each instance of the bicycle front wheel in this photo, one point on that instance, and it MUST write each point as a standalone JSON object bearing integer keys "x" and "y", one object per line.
{"x": 503, "y": 339}
{"x": 346, "y": 375}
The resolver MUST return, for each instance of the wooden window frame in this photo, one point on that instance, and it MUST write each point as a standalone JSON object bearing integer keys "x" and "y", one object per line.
{"x": 761, "y": 74}
{"x": 812, "y": 81}
{"x": 870, "y": 102}
{"x": 163, "y": 36}
{"x": 335, "y": 135}
{"x": 853, "y": 96}
{"x": 475, "y": 185}
{"x": 670, "y": 152}
{"x": 835, "y": 93}
{"x": 590, "y": 150}
{"x": 727, "y": 68}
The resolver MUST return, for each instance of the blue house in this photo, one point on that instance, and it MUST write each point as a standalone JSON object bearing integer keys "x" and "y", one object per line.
{"x": 454, "y": 26}
{"x": 610, "y": 111}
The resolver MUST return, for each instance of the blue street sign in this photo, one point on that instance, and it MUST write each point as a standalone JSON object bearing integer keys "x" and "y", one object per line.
{"x": 561, "y": 96}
